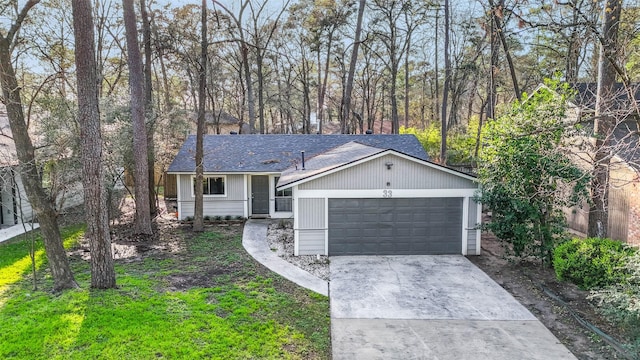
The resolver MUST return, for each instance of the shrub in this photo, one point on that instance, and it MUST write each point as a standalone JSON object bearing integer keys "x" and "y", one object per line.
{"x": 284, "y": 224}
{"x": 621, "y": 302}
{"x": 228, "y": 217}
{"x": 591, "y": 263}
{"x": 527, "y": 175}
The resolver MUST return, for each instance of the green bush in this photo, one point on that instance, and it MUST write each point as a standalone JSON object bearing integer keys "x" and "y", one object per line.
{"x": 621, "y": 302}
{"x": 591, "y": 263}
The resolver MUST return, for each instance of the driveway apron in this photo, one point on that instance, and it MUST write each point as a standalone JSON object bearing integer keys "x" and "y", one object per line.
{"x": 429, "y": 307}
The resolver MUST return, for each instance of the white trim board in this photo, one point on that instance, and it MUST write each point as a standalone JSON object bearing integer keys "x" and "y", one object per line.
{"x": 465, "y": 225}
{"x": 384, "y": 193}
{"x": 208, "y": 176}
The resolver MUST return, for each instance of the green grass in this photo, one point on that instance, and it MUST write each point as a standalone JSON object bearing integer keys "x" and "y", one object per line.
{"x": 212, "y": 301}
{"x": 15, "y": 261}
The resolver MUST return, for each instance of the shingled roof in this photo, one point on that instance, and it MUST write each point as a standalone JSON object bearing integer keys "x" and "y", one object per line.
{"x": 625, "y": 133}
{"x": 275, "y": 153}
{"x": 585, "y": 97}
{"x": 332, "y": 159}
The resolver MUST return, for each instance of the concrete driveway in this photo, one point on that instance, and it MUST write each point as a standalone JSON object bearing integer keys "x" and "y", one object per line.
{"x": 429, "y": 307}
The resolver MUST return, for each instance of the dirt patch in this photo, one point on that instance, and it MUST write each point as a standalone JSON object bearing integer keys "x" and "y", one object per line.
{"x": 280, "y": 239}
{"x": 128, "y": 246}
{"x": 526, "y": 281}
{"x": 205, "y": 278}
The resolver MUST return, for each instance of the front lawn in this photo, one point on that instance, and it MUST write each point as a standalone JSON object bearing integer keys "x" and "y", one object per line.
{"x": 204, "y": 299}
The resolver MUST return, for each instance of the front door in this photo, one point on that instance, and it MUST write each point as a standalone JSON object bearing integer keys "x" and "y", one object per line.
{"x": 260, "y": 195}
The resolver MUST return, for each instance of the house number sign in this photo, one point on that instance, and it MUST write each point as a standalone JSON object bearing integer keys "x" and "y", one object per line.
{"x": 387, "y": 193}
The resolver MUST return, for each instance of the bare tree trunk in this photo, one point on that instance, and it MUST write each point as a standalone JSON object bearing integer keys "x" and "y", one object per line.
{"x": 406, "y": 82}
{"x": 103, "y": 275}
{"x": 136, "y": 85}
{"x": 493, "y": 68}
{"x": 436, "y": 62}
{"x": 346, "y": 101}
{"x": 406, "y": 74}
{"x": 394, "y": 100}
{"x": 479, "y": 132}
{"x": 573, "y": 50}
{"x": 604, "y": 120}
{"x": 383, "y": 110}
{"x": 260, "y": 91}
{"x": 322, "y": 91}
{"x": 247, "y": 76}
{"x": 445, "y": 89}
{"x": 198, "y": 216}
{"x": 306, "y": 95}
{"x": 168, "y": 103}
{"x": 148, "y": 101}
{"x": 40, "y": 202}
{"x": 496, "y": 13}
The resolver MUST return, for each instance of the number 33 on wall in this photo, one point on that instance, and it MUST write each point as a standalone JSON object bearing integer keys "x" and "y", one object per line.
{"x": 387, "y": 193}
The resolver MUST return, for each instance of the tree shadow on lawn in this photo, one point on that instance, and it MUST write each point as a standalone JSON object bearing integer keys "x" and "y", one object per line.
{"x": 16, "y": 263}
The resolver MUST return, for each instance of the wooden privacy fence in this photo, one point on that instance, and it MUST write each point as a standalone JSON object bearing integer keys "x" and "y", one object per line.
{"x": 618, "y": 227}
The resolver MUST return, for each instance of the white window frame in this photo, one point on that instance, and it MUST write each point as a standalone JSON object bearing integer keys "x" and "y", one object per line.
{"x": 275, "y": 196}
{"x": 224, "y": 179}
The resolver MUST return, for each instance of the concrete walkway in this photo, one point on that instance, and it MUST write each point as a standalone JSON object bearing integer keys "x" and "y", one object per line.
{"x": 254, "y": 240}
{"x": 15, "y": 230}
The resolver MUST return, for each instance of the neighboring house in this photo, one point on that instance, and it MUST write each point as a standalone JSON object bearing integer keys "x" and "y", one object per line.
{"x": 347, "y": 194}
{"x": 221, "y": 122}
{"x": 624, "y": 181}
{"x": 14, "y": 204}
{"x": 13, "y": 201}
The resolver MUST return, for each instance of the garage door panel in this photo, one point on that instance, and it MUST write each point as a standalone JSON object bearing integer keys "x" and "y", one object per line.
{"x": 420, "y": 231}
{"x": 403, "y": 247}
{"x": 369, "y": 233}
{"x": 395, "y": 226}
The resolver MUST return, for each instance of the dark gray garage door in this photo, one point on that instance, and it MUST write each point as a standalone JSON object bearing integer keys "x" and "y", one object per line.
{"x": 398, "y": 226}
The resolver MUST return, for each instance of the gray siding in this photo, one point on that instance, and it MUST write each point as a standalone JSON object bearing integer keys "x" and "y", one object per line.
{"x": 27, "y": 212}
{"x": 404, "y": 174}
{"x": 214, "y": 208}
{"x": 73, "y": 196}
{"x": 471, "y": 227}
{"x": 235, "y": 187}
{"x": 7, "y": 197}
{"x": 232, "y": 204}
{"x": 311, "y": 242}
{"x": 184, "y": 187}
{"x": 311, "y": 214}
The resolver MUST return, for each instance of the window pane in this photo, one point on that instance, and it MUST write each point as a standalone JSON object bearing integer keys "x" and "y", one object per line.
{"x": 217, "y": 186}
{"x": 205, "y": 186}
{"x": 283, "y": 204}
{"x": 211, "y": 185}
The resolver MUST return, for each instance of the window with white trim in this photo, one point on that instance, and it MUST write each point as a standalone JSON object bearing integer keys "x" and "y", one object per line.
{"x": 212, "y": 185}
{"x": 284, "y": 198}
